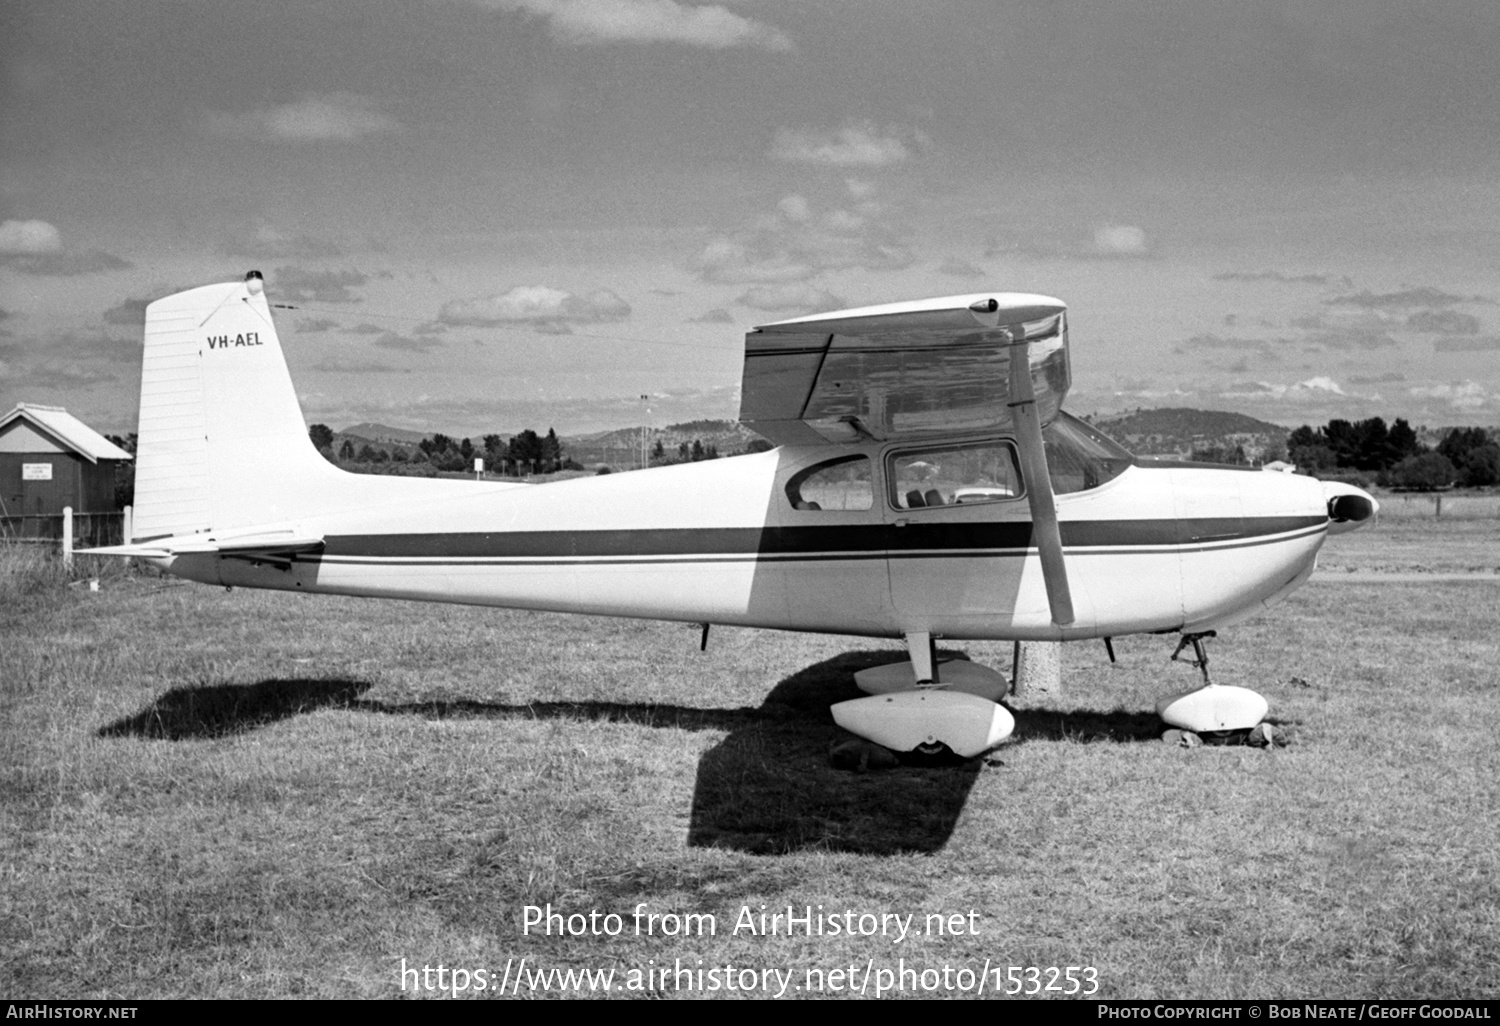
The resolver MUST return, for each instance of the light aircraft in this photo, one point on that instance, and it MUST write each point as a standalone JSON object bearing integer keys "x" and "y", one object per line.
{"x": 926, "y": 484}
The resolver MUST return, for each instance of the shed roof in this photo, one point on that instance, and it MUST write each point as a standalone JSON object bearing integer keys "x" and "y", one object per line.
{"x": 68, "y": 431}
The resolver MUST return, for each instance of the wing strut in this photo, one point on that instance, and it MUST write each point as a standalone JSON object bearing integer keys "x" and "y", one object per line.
{"x": 1044, "y": 529}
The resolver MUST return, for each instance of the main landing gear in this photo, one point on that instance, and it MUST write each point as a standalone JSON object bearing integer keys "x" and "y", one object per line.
{"x": 929, "y": 706}
{"x": 1214, "y": 713}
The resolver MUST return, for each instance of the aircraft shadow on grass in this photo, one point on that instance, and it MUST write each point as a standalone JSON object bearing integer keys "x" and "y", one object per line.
{"x": 766, "y": 788}
{"x": 769, "y": 788}
{"x": 217, "y": 710}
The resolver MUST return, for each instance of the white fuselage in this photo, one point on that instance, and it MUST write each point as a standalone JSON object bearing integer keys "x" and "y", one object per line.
{"x": 1157, "y": 548}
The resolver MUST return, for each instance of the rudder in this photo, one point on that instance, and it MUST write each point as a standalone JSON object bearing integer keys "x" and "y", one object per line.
{"x": 221, "y": 440}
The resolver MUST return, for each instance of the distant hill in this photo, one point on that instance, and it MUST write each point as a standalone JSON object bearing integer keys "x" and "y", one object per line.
{"x": 1167, "y": 432}
{"x": 382, "y": 433}
{"x": 1177, "y": 432}
{"x": 622, "y": 447}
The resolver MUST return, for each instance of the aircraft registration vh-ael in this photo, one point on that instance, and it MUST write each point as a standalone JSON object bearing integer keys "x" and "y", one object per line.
{"x": 926, "y": 484}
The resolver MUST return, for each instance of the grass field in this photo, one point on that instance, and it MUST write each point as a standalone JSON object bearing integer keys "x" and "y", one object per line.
{"x": 251, "y": 794}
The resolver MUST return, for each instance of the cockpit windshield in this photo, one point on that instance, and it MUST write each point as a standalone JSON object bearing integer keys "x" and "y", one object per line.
{"x": 1079, "y": 457}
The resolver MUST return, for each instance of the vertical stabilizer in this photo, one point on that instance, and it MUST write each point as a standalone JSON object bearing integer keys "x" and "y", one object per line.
{"x": 222, "y": 443}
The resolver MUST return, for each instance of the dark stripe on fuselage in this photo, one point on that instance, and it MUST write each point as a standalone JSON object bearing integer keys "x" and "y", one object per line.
{"x": 848, "y": 541}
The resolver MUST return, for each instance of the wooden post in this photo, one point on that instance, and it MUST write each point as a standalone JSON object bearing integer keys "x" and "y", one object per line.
{"x": 128, "y": 528}
{"x": 67, "y": 539}
{"x": 1037, "y": 668}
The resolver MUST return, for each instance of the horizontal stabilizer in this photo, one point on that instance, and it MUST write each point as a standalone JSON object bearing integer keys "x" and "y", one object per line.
{"x": 139, "y": 551}
{"x": 280, "y": 549}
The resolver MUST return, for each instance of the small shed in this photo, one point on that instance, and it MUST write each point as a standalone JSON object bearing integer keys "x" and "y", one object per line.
{"x": 50, "y": 459}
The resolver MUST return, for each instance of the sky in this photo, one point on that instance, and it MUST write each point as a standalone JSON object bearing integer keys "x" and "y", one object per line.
{"x": 498, "y": 214}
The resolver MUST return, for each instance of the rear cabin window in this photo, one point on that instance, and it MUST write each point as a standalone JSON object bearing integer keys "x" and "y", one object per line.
{"x": 841, "y": 484}
{"x": 956, "y": 476}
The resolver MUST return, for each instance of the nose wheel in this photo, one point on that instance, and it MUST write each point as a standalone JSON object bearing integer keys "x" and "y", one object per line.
{"x": 1200, "y": 652}
{"x": 1213, "y": 712}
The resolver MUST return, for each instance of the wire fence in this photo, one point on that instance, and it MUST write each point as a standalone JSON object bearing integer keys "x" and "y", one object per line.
{"x": 1439, "y": 506}
{"x": 90, "y": 530}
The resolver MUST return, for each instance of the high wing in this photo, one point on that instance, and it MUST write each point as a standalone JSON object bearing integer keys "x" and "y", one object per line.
{"x": 931, "y": 368}
{"x": 905, "y": 370}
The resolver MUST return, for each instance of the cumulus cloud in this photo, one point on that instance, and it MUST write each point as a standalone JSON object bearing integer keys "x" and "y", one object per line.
{"x": 36, "y": 247}
{"x": 312, "y": 325}
{"x": 129, "y": 312}
{"x": 73, "y": 360}
{"x": 1279, "y": 277}
{"x": 1120, "y": 240}
{"x": 795, "y": 208}
{"x": 99, "y": 347}
{"x": 1312, "y": 391}
{"x": 299, "y": 285}
{"x": 67, "y": 265}
{"x": 331, "y": 117}
{"x": 1321, "y": 383}
{"x": 1423, "y": 295}
{"x": 1106, "y": 242}
{"x": 853, "y": 144}
{"x": 1476, "y": 344}
{"x": 799, "y": 297}
{"x": 957, "y": 268}
{"x": 1350, "y": 337}
{"x": 995, "y": 246}
{"x": 271, "y": 243}
{"x": 1233, "y": 345}
{"x": 28, "y": 238}
{"x": 1249, "y": 388}
{"x": 539, "y": 307}
{"x": 758, "y": 257}
{"x": 599, "y": 22}
{"x": 1443, "y": 322}
{"x": 1465, "y": 395}
{"x": 63, "y": 378}
{"x": 797, "y": 241}
{"x": 356, "y": 367}
{"x": 407, "y": 343}
{"x": 718, "y": 315}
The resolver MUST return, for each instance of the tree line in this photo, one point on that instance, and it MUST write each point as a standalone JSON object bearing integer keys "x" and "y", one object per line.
{"x": 695, "y": 453}
{"x": 1395, "y": 455}
{"x": 523, "y": 453}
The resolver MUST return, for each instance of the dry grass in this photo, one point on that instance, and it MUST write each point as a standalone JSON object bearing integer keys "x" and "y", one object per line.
{"x": 253, "y": 794}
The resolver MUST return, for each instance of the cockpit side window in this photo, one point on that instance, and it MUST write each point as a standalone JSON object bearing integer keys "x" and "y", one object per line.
{"x": 842, "y": 484}
{"x": 954, "y": 476}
